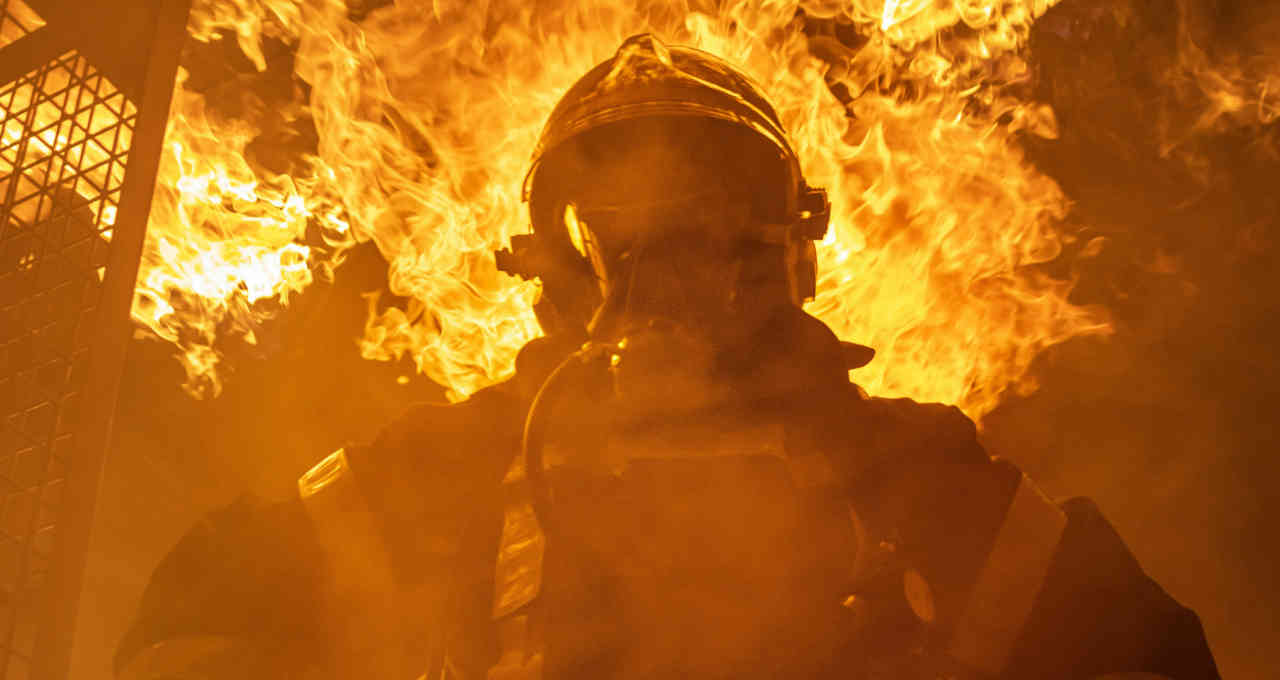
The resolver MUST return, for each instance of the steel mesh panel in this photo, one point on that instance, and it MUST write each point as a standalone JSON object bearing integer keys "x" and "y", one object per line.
{"x": 65, "y": 132}
{"x": 17, "y": 21}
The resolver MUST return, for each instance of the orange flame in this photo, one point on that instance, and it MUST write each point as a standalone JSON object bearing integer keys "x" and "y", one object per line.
{"x": 427, "y": 113}
{"x": 224, "y": 238}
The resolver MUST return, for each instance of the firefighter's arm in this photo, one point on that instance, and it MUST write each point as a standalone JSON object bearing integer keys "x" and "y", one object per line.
{"x": 358, "y": 563}
{"x": 422, "y": 481}
{"x": 348, "y": 576}
{"x": 392, "y": 518}
{"x": 1012, "y": 584}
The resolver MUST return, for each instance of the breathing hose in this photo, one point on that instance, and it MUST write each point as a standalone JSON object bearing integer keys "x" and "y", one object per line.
{"x": 569, "y": 373}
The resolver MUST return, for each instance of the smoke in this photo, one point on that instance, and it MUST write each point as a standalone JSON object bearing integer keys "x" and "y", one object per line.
{"x": 1167, "y": 147}
{"x": 1164, "y": 147}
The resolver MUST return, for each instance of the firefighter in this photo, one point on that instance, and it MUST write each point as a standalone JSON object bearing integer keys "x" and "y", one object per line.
{"x": 679, "y": 480}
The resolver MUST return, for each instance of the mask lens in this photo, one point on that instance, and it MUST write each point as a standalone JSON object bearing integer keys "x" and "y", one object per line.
{"x": 574, "y": 227}
{"x": 585, "y": 242}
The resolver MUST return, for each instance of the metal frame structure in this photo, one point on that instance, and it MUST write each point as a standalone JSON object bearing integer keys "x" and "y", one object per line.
{"x": 84, "y": 97}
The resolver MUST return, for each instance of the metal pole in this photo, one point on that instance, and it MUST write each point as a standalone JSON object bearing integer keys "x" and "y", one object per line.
{"x": 108, "y": 347}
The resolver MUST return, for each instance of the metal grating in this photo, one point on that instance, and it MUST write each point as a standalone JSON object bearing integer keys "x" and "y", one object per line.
{"x": 66, "y": 133}
{"x": 17, "y": 21}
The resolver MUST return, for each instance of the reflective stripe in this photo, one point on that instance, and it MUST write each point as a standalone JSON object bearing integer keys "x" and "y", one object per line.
{"x": 919, "y": 596}
{"x": 521, "y": 659}
{"x": 699, "y": 442}
{"x": 363, "y": 608}
{"x": 1010, "y": 581}
{"x": 328, "y": 472}
{"x": 808, "y": 469}
{"x": 345, "y": 525}
{"x": 518, "y": 576}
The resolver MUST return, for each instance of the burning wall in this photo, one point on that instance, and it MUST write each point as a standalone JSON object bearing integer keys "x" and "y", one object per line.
{"x": 410, "y": 125}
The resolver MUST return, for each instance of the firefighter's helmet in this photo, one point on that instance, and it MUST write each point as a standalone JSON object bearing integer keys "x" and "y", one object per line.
{"x": 689, "y": 95}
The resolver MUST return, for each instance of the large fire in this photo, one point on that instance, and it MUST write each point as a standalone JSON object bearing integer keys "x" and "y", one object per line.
{"x": 425, "y": 113}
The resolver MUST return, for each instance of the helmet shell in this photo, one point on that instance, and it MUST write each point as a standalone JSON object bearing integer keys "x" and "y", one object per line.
{"x": 648, "y": 79}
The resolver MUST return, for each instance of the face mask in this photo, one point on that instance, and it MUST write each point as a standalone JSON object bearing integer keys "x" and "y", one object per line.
{"x": 686, "y": 263}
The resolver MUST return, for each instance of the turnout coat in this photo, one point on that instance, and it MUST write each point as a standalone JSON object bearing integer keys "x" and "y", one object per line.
{"x": 822, "y": 533}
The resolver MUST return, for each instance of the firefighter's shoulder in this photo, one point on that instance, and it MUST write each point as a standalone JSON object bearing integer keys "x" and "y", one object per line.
{"x": 1024, "y": 586}
{"x": 906, "y": 430}
{"x": 1099, "y": 614}
{"x": 414, "y": 489}
{"x": 237, "y": 593}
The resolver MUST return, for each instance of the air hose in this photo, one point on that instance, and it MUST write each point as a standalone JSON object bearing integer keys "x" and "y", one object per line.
{"x": 573, "y": 372}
